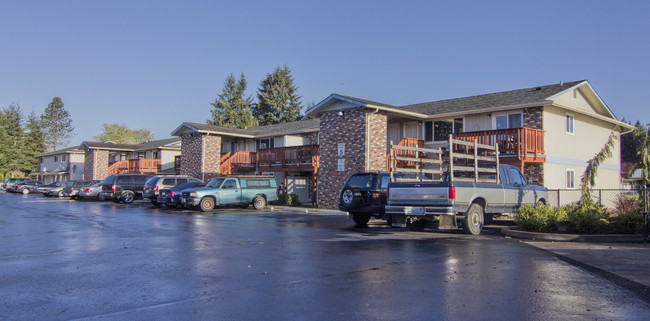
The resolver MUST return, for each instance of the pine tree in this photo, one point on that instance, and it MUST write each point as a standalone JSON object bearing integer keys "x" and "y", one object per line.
{"x": 56, "y": 125}
{"x": 4, "y": 145}
{"x": 277, "y": 99}
{"x": 13, "y": 131}
{"x": 231, "y": 109}
{"x": 33, "y": 143}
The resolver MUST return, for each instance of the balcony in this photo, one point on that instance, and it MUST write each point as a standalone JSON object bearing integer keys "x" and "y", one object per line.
{"x": 237, "y": 162}
{"x": 517, "y": 146}
{"x": 294, "y": 158}
{"x": 135, "y": 166}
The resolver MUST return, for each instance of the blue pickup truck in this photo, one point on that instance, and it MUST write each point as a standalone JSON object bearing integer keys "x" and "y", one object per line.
{"x": 224, "y": 191}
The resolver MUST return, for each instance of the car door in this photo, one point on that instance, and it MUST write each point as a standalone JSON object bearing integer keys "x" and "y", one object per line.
{"x": 230, "y": 192}
{"x": 510, "y": 192}
{"x": 525, "y": 194}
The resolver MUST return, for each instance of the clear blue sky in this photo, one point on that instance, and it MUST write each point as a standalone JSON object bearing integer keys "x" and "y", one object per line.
{"x": 155, "y": 64}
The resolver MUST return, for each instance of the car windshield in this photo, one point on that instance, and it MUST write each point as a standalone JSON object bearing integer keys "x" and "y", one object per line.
{"x": 215, "y": 182}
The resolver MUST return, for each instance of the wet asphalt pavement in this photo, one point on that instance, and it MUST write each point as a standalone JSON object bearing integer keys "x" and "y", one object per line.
{"x": 63, "y": 260}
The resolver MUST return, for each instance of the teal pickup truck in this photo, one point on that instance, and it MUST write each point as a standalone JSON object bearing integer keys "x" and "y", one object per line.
{"x": 242, "y": 191}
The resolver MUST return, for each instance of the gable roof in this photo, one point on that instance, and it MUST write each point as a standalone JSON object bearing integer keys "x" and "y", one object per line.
{"x": 535, "y": 96}
{"x": 69, "y": 150}
{"x": 297, "y": 127}
{"x": 154, "y": 144}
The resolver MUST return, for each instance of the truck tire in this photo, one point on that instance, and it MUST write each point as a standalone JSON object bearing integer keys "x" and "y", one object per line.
{"x": 474, "y": 220}
{"x": 127, "y": 197}
{"x": 206, "y": 205}
{"x": 259, "y": 202}
{"x": 361, "y": 219}
{"x": 349, "y": 199}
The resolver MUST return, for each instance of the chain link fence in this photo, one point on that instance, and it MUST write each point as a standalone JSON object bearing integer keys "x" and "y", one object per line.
{"x": 605, "y": 197}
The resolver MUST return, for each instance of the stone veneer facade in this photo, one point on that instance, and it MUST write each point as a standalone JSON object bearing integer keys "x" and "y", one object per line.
{"x": 201, "y": 156}
{"x": 363, "y": 134}
{"x": 95, "y": 164}
{"x": 534, "y": 118}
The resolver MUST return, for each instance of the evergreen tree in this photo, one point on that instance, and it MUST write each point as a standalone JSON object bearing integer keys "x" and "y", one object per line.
{"x": 632, "y": 144}
{"x": 56, "y": 125}
{"x": 13, "y": 132}
{"x": 4, "y": 145}
{"x": 33, "y": 144}
{"x": 231, "y": 109}
{"x": 277, "y": 99}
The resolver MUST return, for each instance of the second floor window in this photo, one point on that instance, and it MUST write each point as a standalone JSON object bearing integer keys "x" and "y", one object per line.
{"x": 265, "y": 143}
{"x": 440, "y": 130}
{"x": 570, "y": 122}
{"x": 508, "y": 121}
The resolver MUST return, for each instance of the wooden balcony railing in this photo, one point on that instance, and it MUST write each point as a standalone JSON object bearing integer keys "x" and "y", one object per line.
{"x": 231, "y": 163}
{"x": 292, "y": 156}
{"x": 406, "y": 142}
{"x": 525, "y": 144}
{"x": 135, "y": 166}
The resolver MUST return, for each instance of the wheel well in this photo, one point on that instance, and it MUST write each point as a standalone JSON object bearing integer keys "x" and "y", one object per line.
{"x": 263, "y": 196}
{"x": 543, "y": 201}
{"x": 479, "y": 201}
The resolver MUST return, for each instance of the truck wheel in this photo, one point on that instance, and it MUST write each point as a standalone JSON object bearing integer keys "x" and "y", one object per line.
{"x": 361, "y": 219}
{"x": 348, "y": 199}
{"x": 259, "y": 202}
{"x": 473, "y": 220}
{"x": 127, "y": 197}
{"x": 206, "y": 205}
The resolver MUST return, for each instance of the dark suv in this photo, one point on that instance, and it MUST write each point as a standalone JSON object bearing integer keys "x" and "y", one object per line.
{"x": 364, "y": 195}
{"x": 154, "y": 185}
{"x": 124, "y": 187}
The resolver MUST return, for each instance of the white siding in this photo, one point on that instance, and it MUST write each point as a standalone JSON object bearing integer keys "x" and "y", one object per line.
{"x": 474, "y": 123}
{"x": 167, "y": 158}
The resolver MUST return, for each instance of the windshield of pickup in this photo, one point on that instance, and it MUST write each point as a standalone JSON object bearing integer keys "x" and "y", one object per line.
{"x": 215, "y": 182}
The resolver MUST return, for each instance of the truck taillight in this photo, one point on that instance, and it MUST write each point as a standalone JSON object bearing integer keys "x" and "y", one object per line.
{"x": 452, "y": 192}
{"x": 112, "y": 188}
{"x": 375, "y": 197}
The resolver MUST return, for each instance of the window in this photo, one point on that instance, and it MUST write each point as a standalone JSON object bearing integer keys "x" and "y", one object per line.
{"x": 169, "y": 181}
{"x": 258, "y": 183}
{"x": 229, "y": 184}
{"x": 142, "y": 154}
{"x": 265, "y": 143}
{"x": 570, "y": 123}
{"x": 508, "y": 121}
{"x": 56, "y": 159}
{"x": 570, "y": 178}
{"x": 63, "y": 158}
{"x": 440, "y": 130}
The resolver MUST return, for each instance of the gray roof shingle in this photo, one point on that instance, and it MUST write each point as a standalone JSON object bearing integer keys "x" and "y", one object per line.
{"x": 507, "y": 98}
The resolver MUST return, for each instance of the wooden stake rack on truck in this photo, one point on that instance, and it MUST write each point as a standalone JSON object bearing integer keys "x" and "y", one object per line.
{"x": 456, "y": 186}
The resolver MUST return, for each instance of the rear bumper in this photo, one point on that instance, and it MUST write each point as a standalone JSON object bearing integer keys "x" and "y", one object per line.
{"x": 419, "y": 210}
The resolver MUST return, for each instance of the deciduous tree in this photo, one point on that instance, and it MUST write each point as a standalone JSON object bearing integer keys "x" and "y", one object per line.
{"x": 121, "y": 134}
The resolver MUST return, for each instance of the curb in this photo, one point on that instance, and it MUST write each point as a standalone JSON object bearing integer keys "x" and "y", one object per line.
{"x": 306, "y": 210}
{"x": 557, "y": 237}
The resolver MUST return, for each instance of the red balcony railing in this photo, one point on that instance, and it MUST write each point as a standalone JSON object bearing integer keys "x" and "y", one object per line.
{"x": 241, "y": 160}
{"x": 289, "y": 156}
{"x": 135, "y": 166}
{"x": 525, "y": 144}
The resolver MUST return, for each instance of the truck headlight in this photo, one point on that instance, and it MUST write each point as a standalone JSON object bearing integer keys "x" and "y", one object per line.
{"x": 193, "y": 194}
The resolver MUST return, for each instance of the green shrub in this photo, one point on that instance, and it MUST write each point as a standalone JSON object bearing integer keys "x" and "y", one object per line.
{"x": 627, "y": 222}
{"x": 540, "y": 218}
{"x": 288, "y": 200}
{"x": 587, "y": 218}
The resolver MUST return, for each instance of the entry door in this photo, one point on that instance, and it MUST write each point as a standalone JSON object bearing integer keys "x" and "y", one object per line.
{"x": 299, "y": 186}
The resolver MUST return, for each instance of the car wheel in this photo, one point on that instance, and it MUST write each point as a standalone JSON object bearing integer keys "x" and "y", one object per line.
{"x": 155, "y": 203}
{"x": 25, "y": 191}
{"x": 60, "y": 194}
{"x": 127, "y": 197}
{"x": 348, "y": 199}
{"x": 207, "y": 204}
{"x": 361, "y": 219}
{"x": 473, "y": 220}
{"x": 101, "y": 197}
{"x": 259, "y": 202}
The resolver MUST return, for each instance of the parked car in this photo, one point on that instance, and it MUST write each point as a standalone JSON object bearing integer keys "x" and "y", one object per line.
{"x": 364, "y": 195}
{"x": 51, "y": 189}
{"x": 9, "y": 182}
{"x": 171, "y": 196}
{"x": 24, "y": 187}
{"x": 124, "y": 187}
{"x": 72, "y": 187}
{"x": 241, "y": 191}
{"x": 91, "y": 192}
{"x": 153, "y": 185}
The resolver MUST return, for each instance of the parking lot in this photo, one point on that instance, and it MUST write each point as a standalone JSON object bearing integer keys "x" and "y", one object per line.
{"x": 64, "y": 259}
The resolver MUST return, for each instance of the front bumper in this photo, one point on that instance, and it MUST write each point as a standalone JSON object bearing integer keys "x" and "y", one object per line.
{"x": 190, "y": 201}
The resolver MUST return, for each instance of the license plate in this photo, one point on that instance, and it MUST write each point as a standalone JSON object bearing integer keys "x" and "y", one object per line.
{"x": 414, "y": 210}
